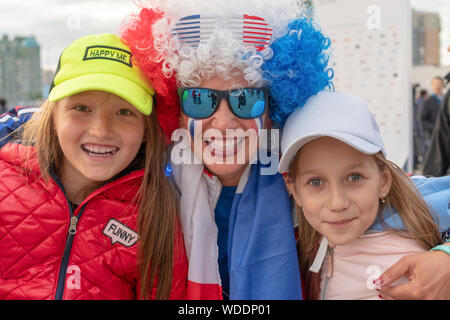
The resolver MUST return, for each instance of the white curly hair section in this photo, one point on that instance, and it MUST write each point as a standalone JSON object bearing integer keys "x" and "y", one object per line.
{"x": 221, "y": 54}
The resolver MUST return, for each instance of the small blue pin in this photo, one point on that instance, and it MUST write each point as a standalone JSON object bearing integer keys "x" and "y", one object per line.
{"x": 168, "y": 170}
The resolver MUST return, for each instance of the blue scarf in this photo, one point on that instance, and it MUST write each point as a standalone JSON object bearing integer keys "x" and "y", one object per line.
{"x": 262, "y": 255}
{"x": 436, "y": 193}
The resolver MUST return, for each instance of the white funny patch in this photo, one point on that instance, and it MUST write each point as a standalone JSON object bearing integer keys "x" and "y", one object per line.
{"x": 119, "y": 232}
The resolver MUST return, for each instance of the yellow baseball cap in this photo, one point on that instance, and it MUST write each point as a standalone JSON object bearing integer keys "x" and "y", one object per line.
{"x": 101, "y": 62}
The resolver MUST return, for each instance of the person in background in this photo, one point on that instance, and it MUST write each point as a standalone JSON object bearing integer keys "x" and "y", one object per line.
{"x": 423, "y": 95}
{"x": 419, "y": 150}
{"x": 437, "y": 160}
{"x": 429, "y": 110}
{"x": 2, "y": 104}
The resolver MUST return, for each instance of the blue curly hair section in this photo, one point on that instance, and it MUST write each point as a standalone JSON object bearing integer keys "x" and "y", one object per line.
{"x": 298, "y": 68}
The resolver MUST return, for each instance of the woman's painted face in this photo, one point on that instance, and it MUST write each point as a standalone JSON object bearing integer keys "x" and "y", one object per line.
{"x": 224, "y": 142}
{"x": 99, "y": 133}
{"x": 338, "y": 189}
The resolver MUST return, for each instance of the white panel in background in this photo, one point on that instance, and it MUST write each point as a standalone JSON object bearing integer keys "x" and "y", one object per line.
{"x": 372, "y": 57}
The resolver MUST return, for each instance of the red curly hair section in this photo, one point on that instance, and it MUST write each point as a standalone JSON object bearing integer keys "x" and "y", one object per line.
{"x": 138, "y": 35}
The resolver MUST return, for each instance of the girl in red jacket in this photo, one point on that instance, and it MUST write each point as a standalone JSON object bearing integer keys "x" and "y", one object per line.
{"x": 86, "y": 211}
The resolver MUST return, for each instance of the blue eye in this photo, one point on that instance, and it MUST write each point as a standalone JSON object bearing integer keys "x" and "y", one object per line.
{"x": 315, "y": 182}
{"x": 355, "y": 177}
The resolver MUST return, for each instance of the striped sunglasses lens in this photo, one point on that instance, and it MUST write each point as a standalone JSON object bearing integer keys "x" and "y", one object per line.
{"x": 251, "y": 30}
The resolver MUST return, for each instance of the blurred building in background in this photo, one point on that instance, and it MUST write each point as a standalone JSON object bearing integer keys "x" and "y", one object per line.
{"x": 426, "y": 43}
{"x": 20, "y": 70}
{"x": 307, "y": 7}
{"x": 427, "y": 27}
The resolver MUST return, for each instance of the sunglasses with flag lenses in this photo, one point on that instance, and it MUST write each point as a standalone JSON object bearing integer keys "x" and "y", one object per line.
{"x": 245, "y": 103}
{"x": 251, "y": 30}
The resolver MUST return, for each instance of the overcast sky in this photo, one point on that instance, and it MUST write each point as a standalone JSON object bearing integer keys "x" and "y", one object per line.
{"x": 56, "y": 23}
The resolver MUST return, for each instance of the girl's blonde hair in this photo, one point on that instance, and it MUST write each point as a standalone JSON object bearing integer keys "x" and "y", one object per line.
{"x": 157, "y": 201}
{"x": 403, "y": 196}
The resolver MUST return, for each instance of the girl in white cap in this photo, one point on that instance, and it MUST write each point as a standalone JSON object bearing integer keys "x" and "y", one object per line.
{"x": 335, "y": 166}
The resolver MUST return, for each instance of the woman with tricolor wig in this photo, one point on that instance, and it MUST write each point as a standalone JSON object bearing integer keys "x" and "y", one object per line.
{"x": 225, "y": 72}
{"x": 207, "y": 57}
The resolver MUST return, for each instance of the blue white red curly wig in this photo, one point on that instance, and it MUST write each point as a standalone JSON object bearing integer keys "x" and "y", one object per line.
{"x": 299, "y": 67}
{"x": 294, "y": 65}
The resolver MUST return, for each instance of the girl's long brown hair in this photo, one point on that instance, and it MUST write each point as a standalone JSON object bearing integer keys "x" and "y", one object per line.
{"x": 158, "y": 205}
{"x": 403, "y": 196}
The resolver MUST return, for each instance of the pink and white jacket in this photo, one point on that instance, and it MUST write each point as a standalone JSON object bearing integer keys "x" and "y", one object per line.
{"x": 348, "y": 271}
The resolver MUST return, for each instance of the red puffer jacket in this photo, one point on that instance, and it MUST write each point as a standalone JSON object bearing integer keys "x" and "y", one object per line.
{"x": 49, "y": 252}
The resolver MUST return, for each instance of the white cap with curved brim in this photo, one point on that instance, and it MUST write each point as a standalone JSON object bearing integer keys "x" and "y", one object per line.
{"x": 330, "y": 114}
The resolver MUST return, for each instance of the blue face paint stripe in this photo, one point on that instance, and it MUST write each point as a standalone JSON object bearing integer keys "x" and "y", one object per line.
{"x": 191, "y": 126}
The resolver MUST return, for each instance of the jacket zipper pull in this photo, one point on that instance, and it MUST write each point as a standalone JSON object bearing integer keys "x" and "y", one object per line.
{"x": 73, "y": 225}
